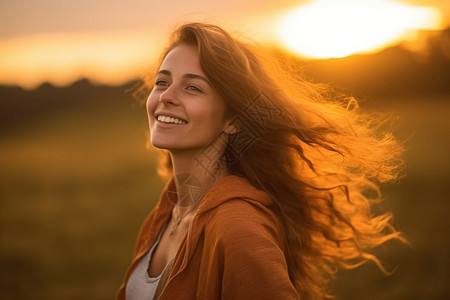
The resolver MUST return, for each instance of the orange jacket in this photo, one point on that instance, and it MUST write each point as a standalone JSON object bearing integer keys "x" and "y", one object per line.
{"x": 233, "y": 248}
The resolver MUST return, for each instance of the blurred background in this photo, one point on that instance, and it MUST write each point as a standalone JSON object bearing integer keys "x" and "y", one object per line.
{"x": 76, "y": 175}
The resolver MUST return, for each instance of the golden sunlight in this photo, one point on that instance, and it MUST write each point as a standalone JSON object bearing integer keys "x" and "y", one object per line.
{"x": 112, "y": 57}
{"x": 339, "y": 28}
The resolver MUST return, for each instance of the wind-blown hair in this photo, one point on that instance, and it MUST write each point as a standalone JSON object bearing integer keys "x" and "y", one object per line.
{"x": 311, "y": 150}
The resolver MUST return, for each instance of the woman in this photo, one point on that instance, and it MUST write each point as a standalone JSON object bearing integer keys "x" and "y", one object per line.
{"x": 272, "y": 181}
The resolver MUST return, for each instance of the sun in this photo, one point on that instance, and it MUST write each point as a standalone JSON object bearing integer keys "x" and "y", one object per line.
{"x": 339, "y": 28}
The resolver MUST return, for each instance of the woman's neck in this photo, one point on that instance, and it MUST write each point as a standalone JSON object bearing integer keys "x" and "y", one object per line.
{"x": 194, "y": 175}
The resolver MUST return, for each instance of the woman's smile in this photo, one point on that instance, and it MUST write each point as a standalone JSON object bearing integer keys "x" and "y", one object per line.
{"x": 169, "y": 120}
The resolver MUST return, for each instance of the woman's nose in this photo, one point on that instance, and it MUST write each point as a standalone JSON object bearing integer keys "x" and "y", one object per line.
{"x": 168, "y": 96}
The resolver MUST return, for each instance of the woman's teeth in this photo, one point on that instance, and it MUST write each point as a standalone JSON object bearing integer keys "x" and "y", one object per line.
{"x": 165, "y": 119}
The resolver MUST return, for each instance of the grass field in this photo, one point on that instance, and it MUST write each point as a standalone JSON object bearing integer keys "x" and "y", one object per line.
{"x": 75, "y": 185}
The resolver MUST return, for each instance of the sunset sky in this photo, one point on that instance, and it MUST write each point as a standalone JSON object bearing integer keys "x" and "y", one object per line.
{"x": 114, "y": 41}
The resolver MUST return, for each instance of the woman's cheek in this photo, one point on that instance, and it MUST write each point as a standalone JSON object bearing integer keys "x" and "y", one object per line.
{"x": 152, "y": 101}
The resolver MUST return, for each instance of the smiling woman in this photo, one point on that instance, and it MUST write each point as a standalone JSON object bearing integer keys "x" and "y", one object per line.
{"x": 271, "y": 181}
{"x": 326, "y": 29}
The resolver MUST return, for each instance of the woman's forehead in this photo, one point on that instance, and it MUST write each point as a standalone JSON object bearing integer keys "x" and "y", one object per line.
{"x": 182, "y": 59}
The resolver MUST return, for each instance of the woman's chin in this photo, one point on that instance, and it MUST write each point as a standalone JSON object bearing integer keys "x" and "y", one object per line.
{"x": 162, "y": 146}
{"x": 165, "y": 145}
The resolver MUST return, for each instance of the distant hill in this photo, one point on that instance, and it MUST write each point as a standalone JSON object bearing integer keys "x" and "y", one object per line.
{"x": 19, "y": 107}
{"x": 394, "y": 71}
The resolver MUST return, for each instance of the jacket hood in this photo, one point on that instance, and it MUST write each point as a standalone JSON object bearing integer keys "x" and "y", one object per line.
{"x": 226, "y": 188}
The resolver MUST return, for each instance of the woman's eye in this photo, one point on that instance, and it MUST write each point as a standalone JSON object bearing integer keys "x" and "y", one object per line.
{"x": 161, "y": 83}
{"x": 193, "y": 88}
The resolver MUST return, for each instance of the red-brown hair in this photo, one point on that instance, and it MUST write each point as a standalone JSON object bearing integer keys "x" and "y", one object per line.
{"x": 311, "y": 150}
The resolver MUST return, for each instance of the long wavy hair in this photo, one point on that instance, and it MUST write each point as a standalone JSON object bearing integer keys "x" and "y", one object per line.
{"x": 309, "y": 148}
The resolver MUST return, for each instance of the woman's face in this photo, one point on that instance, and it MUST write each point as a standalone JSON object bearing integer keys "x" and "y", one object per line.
{"x": 184, "y": 111}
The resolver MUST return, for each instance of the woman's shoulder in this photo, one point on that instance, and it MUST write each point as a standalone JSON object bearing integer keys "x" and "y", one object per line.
{"x": 231, "y": 188}
{"x": 245, "y": 215}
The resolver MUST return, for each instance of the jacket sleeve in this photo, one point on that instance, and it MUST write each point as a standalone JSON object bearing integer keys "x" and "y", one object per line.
{"x": 254, "y": 264}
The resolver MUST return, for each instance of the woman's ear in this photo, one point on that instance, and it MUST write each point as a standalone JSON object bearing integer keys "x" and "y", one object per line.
{"x": 231, "y": 128}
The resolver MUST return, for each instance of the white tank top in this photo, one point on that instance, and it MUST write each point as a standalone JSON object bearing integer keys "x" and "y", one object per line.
{"x": 140, "y": 285}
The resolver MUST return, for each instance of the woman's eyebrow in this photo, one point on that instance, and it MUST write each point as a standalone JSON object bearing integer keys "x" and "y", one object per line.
{"x": 165, "y": 72}
{"x": 187, "y": 75}
{"x": 195, "y": 76}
